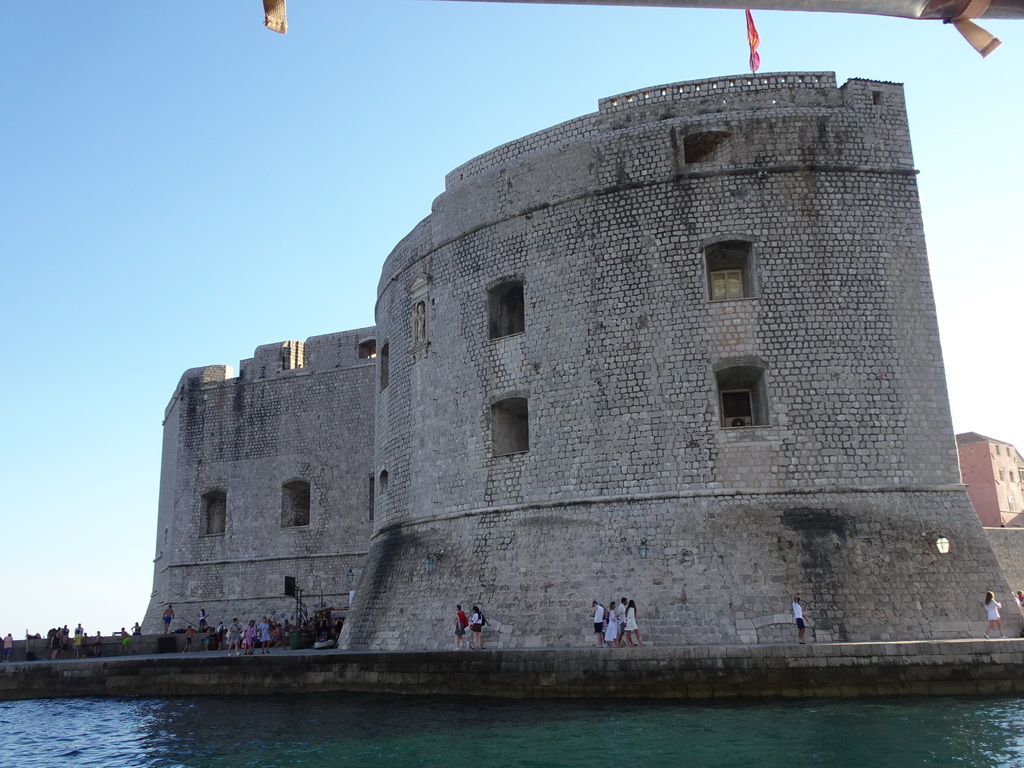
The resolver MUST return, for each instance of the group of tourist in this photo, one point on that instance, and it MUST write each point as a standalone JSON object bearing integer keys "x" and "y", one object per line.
{"x": 475, "y": 624}
{"x": 65, "y": 644}
{"x": 615, "y": 626}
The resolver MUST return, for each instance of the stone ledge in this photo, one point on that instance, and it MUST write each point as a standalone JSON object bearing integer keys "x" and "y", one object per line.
{"x": 687, "y": 672}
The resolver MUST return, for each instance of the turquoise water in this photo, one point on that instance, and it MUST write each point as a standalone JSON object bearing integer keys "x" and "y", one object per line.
{"x": 362, "y": 730}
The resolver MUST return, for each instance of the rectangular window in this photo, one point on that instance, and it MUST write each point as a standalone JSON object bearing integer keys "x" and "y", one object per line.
{"x": 1002, "y": 475}
{"x": 738, "y": 408}
{"x": 727, "y": 284}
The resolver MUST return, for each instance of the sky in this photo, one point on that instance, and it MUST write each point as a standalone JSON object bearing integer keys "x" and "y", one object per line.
{"x": 181, "y": 185}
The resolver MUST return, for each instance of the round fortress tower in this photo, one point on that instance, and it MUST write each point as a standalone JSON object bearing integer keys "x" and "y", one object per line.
{"x": 683, "y": 349}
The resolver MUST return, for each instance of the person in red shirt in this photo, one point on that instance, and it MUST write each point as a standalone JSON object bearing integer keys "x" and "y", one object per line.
{"x": 461, "y": 622}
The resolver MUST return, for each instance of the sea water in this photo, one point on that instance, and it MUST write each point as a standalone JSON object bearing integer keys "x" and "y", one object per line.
{"x": 322, "y": 731}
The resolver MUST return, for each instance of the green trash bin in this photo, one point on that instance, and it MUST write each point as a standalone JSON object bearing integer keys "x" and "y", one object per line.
{"x": 296, "y": 639}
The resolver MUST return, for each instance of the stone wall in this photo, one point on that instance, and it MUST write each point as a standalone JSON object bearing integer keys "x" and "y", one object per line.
{"x": 608, "y": 223}
{"x": 700, "y": 672}
{"x": 287, "y": 449}
{"x": 1008, "y": 544}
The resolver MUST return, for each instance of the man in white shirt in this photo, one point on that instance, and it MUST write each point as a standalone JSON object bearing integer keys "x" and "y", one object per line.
{"x": 599, "y": 623}
{"x": 798, "y": 617}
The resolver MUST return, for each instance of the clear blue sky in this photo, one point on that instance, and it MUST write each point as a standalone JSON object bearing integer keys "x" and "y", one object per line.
{"x": 180, "y": 185}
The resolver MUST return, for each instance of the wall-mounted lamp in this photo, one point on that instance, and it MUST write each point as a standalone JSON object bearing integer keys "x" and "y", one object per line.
{"x": 428, "y": 564}
{"x": 350, "y": 577}
{"x": 938, "y": 540}
{"x": 643, "y": 550}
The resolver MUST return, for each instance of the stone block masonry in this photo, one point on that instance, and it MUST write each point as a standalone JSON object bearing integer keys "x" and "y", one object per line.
{"x": 682, "y": 349}
{"x": 695, "y": 324}
{"x": 699, "y": 672}
{"x": 266, "y": 475}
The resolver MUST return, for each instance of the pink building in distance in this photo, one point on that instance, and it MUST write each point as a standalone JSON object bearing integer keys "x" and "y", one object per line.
{"x": 993, "y": 472}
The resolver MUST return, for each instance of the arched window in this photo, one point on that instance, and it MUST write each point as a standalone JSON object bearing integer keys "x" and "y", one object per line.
{"x": 730, "y": 270}
{"x": 742, "y": 396}
{"x": 510, "y": 426}
{"x": 295, "y": 503}
{"x": 505, "y": 309}
{"x": 215, "y": 511}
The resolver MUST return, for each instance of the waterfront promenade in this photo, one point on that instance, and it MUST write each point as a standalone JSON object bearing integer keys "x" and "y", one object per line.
{"x": 686, "y": 672}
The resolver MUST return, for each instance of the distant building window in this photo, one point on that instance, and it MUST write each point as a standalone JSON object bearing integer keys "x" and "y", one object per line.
{"x": 215, "y": 511}
{"x": 703, "y": 147}
{"x": 506, "y": 309}
{"x": 998, "y": 452}
{"x": 742, "y": 399}
{"x": 368, "y": 349}
{"x": 295, "y": 503}
{"x": 1002, "y": 475}
{"x": 876, "y": 98}
{"x": 730, "y": 270}
{"x": 293, "y": 355}
{"x": 383, "y": 360}
{"x": 510, "y": 426}
{"x": 383, "y": 482}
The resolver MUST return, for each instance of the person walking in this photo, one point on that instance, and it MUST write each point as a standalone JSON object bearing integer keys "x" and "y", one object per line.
{"x": 620, "y": 615}
{"x": 264, "y": 633}
{"x": 611, "y": 633}
{"x": 476, "y": 626}
{"x": 8, "y": 647}
{"x": 598, "y": 622}
{"x": 461, "y": 622}
{"x": 168, "y": 615}
{"x": 992, "y": 608}
{"x": 798, "y": 619}
{"x": 234, "y": 637}
{"x": 632, "y": 628}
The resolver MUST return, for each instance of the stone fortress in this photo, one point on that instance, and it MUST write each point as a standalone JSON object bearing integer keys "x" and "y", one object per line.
{"x": 682, "y": 349}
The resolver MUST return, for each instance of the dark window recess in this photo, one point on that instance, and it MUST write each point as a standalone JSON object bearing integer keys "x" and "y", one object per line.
{"x": 295, "y": 503}
{"x": 506, "y": 309}
{"x": 215, "y": 511}
{"x": 384, "y": 361}
{"x": 368, "y": 349}
{"x": 510, "y": 426}
{"x": 703, "y": 147}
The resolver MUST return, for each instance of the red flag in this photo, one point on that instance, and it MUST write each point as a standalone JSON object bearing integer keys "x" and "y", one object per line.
{"x": 755, "y": 40}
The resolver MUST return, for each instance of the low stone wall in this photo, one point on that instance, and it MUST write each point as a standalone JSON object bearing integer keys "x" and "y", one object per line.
{"x": 695, "y": 672}
{"x": 1008, "y": 544}
{"x": 110, "y": 647}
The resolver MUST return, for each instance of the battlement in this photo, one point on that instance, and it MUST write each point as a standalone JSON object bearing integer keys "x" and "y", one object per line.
{"x": 736, "y": 99}
{"x": 317, "y": 354}
{"x": 722, "y": 87}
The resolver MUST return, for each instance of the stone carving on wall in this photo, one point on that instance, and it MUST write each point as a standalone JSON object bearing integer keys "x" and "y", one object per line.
{"x": 419, "y": 290}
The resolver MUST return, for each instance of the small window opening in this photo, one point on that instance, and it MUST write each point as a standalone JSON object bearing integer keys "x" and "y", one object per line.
{"x": 510, "y": 426}
{"x": 368, "y": 349}
{"x": 295, "y": 503}
{"x": 215, "y": 511}
{"x": 373, "y": 488}
{"x": 506, "y": 309}
{"x": 383, "y": 482}
{"x": 730, "y": 270}
{"x": 876, "y": 98}
{"x": 703, "y": 147}
{"x": 742, "y": 398}
{"x": 384, "y": 372}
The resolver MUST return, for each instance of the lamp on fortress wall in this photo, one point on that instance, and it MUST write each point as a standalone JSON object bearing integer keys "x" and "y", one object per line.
{"x": 938, "y": 540}
{"x": 643, "y": 550}
{"x": 428, "y": 564}
{"x": 350, "y": 577}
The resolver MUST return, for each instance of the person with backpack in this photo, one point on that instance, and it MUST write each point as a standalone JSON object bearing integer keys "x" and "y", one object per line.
{"x": 476, "y": 625}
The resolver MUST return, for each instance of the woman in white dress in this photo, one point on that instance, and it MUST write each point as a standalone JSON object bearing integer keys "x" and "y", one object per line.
{"x": 611, "y": 632}
{"x": 992, "y": 608}
{"x": 632, "y": 630}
